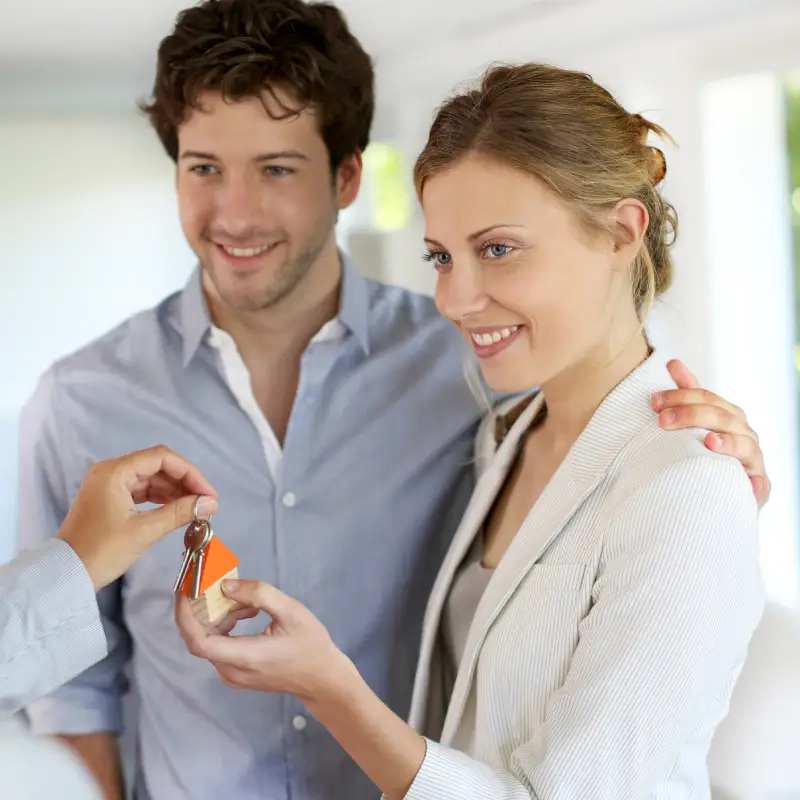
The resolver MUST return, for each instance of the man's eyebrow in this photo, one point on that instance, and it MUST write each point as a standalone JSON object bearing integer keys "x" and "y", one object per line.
{"x": 280, "y": 154}
{"x": 271, "y": 156}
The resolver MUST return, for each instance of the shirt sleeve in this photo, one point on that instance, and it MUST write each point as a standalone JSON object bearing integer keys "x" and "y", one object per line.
{"x": 51, "y": 469}
{"x": 676, "y": 601}
{"x": 50, "y": 629}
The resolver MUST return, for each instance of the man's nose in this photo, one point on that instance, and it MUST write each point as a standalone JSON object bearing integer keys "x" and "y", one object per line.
{"x": 240, "y": 207}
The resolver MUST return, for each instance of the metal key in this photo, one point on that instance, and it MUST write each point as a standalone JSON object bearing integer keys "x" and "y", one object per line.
{"x": 197, "y": 574}
{"x": 188, "y": 554}
{"x": 195, "y": 541}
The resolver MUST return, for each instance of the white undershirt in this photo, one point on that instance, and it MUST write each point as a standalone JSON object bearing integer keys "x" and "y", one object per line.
{"x": 238, "y": 380}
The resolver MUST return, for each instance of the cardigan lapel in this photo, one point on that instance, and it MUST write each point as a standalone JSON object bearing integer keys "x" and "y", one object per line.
{"x": 624, "y": 412}
{"x": 481, "y": 501}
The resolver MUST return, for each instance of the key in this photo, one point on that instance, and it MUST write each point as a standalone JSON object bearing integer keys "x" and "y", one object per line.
{"x": 196, "y": 538}
{"x": 185, "y": 564}
{"x": 197, "y": 573}
{"x": 195, "y": 541}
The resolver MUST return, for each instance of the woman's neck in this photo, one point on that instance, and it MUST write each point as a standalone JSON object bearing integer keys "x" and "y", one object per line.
{"x": 575, "y": 394}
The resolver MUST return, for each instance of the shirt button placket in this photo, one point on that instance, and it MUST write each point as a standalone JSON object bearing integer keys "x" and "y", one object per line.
{"x": 299, "y": 722}
{"x": 289, "y": 499}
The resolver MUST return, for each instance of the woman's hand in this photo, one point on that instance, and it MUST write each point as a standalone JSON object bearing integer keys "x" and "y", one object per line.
{"x": 293, "y": 655}
{"x": 689, "y": 406}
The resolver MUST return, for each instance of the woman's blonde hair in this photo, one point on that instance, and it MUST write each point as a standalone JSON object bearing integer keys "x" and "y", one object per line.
{"x": 570, "y": 133}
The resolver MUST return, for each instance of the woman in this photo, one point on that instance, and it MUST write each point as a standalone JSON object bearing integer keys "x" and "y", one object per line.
{"x": 593, "y": 613}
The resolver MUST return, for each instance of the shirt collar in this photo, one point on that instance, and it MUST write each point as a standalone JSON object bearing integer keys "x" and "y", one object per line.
{"x": 354, "y": 302}
{"x": 353, "y": 313}
{"x": 194, "y": 317}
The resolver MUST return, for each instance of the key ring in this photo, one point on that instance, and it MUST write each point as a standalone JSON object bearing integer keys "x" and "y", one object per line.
{"x": 197, "y": 519}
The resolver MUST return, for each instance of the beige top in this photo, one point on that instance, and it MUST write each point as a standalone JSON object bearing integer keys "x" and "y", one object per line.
{"x": 468, "y": 587}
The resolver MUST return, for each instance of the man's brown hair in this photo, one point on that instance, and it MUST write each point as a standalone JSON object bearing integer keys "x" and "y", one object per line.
{"x": 243, "y": 48}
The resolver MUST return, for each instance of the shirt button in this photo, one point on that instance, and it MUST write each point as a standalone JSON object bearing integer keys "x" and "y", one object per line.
{"x": 289, "y": 500}
{"x": 299, "y": 722}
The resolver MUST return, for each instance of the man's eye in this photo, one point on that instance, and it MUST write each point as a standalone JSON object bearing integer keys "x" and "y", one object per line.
{"x": 203, "y": 169}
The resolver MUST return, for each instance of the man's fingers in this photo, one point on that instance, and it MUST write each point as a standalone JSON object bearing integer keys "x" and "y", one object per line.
{"x": 761, "y": 487}
{"x": 742, "y": 448}
{"x": 746, "y": 450}
{"x": 672, "y": 398}
{"x": 681, "y": 375}
{"x": 712, "y": 418}
{"x": 158, "y": 522}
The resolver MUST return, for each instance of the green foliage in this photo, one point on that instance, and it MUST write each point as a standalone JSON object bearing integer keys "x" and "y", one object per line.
{"x": 793, "y": 149}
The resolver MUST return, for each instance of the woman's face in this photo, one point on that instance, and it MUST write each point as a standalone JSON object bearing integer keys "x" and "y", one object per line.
{"x": 529, "y": 287}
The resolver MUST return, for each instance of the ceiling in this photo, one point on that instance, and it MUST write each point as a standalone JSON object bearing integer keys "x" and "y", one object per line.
{"x": 126, "y": 34}
{"x": 102, "y": 52}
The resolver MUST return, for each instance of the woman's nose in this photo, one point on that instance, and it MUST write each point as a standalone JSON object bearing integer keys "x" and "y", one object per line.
{"x": 460, "y": 293}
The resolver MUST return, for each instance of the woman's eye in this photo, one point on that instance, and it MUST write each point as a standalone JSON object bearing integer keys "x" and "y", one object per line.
{"x": 438, "y": 257}
{"x": 499, "y": 250}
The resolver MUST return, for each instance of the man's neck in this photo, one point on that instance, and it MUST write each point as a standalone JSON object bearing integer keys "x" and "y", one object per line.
{"x": 271, "y": 341}
{"x": 285, "y": 329}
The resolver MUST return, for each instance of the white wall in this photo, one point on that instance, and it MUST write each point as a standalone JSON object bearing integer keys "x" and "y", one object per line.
{"x": 89, "y": 235}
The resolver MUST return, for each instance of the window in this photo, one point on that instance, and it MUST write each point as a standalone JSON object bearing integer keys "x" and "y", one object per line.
{"x": 387, "y": 177}
{"x": 752, "y": 308}
{"x": 792, "y": 95}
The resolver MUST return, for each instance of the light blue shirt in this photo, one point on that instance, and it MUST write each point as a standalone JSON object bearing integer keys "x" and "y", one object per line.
{"x": 374, "y": 475}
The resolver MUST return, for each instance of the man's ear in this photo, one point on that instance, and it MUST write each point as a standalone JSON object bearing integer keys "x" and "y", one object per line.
{"x": 630, "y": 220}
{"x": 348, "y": 180}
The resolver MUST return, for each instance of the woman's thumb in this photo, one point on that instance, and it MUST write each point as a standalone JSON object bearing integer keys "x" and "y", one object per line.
{"x": 258, "y": 594}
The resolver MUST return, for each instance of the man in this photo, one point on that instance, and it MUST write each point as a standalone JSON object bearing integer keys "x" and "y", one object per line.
{"x": 330, "y": 412}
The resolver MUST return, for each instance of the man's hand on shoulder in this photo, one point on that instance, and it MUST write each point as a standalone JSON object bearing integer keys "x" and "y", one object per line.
{"x": 691, "y": 406}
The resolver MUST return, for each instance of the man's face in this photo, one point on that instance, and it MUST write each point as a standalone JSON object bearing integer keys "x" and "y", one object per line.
{"x": 257, "y": 198}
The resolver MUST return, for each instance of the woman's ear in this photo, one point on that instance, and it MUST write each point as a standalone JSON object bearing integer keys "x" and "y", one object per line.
{"x": 630, "y": 219}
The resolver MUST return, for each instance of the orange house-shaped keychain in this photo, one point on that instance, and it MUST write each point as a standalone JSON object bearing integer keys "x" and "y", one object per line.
{"x": 212, "y": 605}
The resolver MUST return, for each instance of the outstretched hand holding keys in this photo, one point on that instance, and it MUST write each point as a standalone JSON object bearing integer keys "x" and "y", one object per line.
{"x": 105, "y": 528}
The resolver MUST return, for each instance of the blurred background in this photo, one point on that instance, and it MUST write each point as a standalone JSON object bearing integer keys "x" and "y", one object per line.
{"x": 89, "y": 228}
